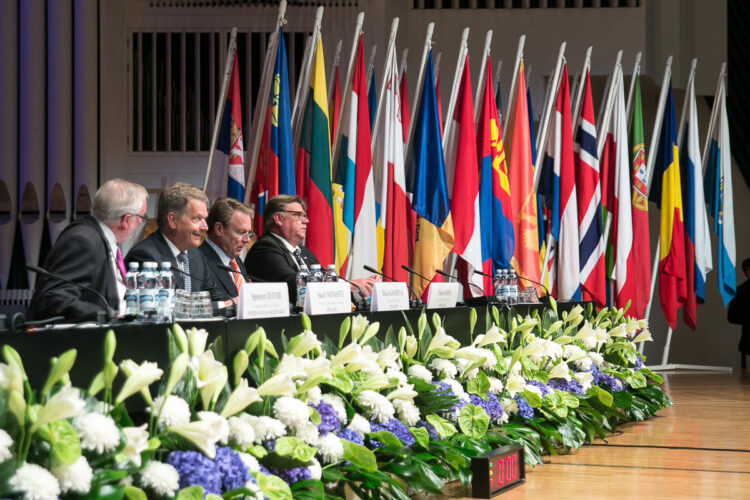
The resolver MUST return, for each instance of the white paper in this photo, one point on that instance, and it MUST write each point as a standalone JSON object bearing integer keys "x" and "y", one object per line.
{"x": 328, "y": 298}
{"x": 263, "y": 300}
{"x": 391, "y": 296}
{"x": 441, "y": 295}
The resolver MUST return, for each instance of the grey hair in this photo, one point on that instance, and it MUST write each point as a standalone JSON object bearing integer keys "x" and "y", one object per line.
{"x": 116, "y": 198}
{"x": 175, "y": 198}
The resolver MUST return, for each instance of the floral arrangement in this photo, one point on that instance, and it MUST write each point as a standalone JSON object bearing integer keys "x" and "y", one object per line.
{"x": 379, "y": 418}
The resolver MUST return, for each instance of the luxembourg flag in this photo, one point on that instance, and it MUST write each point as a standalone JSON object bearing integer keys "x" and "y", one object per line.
{"x": 697, "y": 240}
{"x": 718, "y": 185}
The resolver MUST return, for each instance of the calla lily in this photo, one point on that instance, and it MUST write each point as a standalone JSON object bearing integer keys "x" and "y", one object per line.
{"x": 278, "y": 385}
{"x": 560, "y": 370}
{"x": 493, "y": 336}
{"x": 242, "y": 397}
{"x": 359, "y": 323}
{"x": 375, "y": 382}
{"x": 644, "y": 336}
{"x": 201, "y": 433}
{"x": 197, "y": 341}
{"x": 139, "y": 378}
{"x": 136, "y": 441}
{"x": 515, "y": 384}
{"x": 319, "y": 367}
{"x": 303, "y": 343}
{"x": 404, "y": 393}
{"x": 176, "y": 371}
{"x": 65, "y": 403}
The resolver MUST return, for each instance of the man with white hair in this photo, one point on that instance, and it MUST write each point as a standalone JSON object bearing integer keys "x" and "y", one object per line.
{"x": 86, "y": 253}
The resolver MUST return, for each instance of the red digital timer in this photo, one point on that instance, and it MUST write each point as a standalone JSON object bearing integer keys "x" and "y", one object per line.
{"x": 497, "y": 470}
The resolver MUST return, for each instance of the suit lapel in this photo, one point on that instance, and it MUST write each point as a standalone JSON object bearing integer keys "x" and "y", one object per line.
{"x": 164, "y": 249}
{"x": 288, "y": 256}
{"x": 214, "y": 261}
{"x": 111, "y": 280}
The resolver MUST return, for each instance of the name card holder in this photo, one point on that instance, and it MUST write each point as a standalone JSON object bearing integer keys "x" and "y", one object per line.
{"x": 263, "y": 300}
{"x": 328, "y": 298}
{"x": 441, "y": 295}
{"x": 392, "y": 296}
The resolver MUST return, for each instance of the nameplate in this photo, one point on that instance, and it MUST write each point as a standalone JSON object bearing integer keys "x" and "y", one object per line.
{"x": 441, "y": 295}
{"x": 328, "y": 298}
{"x": 263, "y": 300}
{"x": 389, "y": 297}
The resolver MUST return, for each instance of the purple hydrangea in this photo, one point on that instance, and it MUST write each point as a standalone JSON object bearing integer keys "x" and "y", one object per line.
{"x": 434, "y": 436}
{"x": 291, "y": 476}
{"x": 563, "y": 385}
{"x": 329, "y": 419}
{"x": 542, "y": 387}
{"x": 225, "y": 472}
{"x": 612, "y": 383}
{"x": 491, "y": 406}
{"x": 524, "y": 409}
{"x": 350, "y": 435}
{"x": 638, "y": 363}
{"x": 396, "y": 428}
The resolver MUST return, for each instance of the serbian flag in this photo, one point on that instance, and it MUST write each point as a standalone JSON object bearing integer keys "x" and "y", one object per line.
{"x": 589, "y": 197}
{"x": 718, "y": 186}
{"x": 228, "y": 167}
{"x": 641, "y": 244}
{"x": 316, "y": 148}
{"x": 463, "y": 181}
{"x": 275, "y": 170}
{"x": 498, "y": 241}
{"x": 355, "y": 168}
{"x": 666, "y": 191}
{"x": 335, "y": 104}
{"x": 557, "y": 183}
{"x": 521, "y": 181}
{"x": 388, "y": 163}
{"x": 434, "y": 239}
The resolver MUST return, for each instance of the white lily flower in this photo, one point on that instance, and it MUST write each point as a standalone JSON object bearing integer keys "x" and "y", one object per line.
{"x": 573, "y": 353}
{"x": 552, "y": 350}
{"x": 11, "y": 378}
{"x": 515, "y": 384}
{"x": 278, "y": 385}
{"x": 176, "y": 371}
{"x": 242, "y": 396}
{"x": 387, "y": 358}
{"x": 202, "y": 434}
{"x": 136, "y": 441}
{"x": 585, "y": 379}
{"x": 346, "y": 355}
{"x": 374, "y": 382}
{"x": 397, "y": 374}
{"x": 139, "y": 378}
{"x": 515, "y": 369}
{"x": 586, "y": 331}
{"x": 211, "y": 376}
{"x": 319, "y": 367}
{"x": 219, "y": 425}
{"x": 574, "y": 314}
{"x": 441, "y": 340}
{"x": 510, "y": 407}
{"x": 532, "y": 388}
{"x": 197, "y": 341}
{"x": 560, "y": 370}
{"x": 410, "y": 347}
{"x": 65, "y": 403}
{"x": 534, "y": 350}
{"x": 292, "y": 365}
{"x": 404, "y": 393}
{"x": 644, "y": 336}
{"x": 601, "y": 336}
{"x": 493, "y": 336}
{"x": 359, "y": 324}
{"x": 633, "y": 325}
{"x": 303, "y": 343}
{"x": 619, "y": 331}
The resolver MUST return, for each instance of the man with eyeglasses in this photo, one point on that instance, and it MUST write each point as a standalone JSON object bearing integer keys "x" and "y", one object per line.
{"x": 87, "y": 253}
{"x": 230, "y": 226}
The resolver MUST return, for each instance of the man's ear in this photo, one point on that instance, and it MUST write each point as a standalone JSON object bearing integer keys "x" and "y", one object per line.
{"x": 172, "y": 220}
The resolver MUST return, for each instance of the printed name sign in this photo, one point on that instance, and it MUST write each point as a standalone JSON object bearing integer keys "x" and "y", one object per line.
{"x": 442, "y": 295}
{"x": 263, "y": 300}
{"x": 389, "y": 297}
{"x": 328, "y": 298}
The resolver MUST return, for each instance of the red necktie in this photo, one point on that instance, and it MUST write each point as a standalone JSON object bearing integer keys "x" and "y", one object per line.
{"x": 120, "y": 264}
{"x": 237, "y": 275}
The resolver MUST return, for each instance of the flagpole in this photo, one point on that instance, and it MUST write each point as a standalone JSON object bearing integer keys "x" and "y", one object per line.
{"x": 631, "y": 91}
{"x": 420, "y": 83}
{"x": 482, "y": 70}
{"x": 714, "y": 114}
{"x": 657, "y": 122}
{"x": 336, "y": 59}
{"x": 386, "y": 76}
{"x": 581, "y": 85}
{"x": 261, "y": 102}
{"x": 436, "y": 68}
{"x": 609, "y": 103}
{"x": 513, "y": 83}
{"x": 546, "y": 117}
{"x": 371, "y": 62}
{"x": 462, "y": 51}
{"x": 303, "y": 88}
{"x": 402, "y": 67}
{"x": 222, "y": 99}
{"x": 605, "y": 100}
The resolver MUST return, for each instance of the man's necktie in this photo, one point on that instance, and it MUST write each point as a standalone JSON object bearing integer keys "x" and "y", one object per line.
{"x": 298, "y": 258}
{"x": 236, "y": 276}
{"x": 120, "y": 265}
{"x": 183, "y": 258}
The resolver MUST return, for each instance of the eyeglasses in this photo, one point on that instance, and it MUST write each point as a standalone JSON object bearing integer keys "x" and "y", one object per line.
{"x": 299, "y": 215}
{"x": 144, "y": 218}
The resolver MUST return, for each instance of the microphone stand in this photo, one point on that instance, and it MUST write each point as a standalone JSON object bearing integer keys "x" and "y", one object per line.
{"x": 414, "y": 303}
{"x": 361, "y": 304}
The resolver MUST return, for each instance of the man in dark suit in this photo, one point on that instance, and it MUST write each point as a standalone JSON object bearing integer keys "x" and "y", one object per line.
{"x": 181, "y": 217}
{"x": 739, "y": 313}
{"x": 86, "y": 253}
{"x": 230, "y": 226}
{"x": 277, "y": 255}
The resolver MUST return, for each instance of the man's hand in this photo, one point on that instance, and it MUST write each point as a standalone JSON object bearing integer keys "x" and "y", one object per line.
{"x": 365, "y": 284}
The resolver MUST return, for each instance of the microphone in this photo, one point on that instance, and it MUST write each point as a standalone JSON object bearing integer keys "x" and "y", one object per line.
{"x": 483, "y": 300}
{"x": 415, "y": 302}
{"x": 522, "y": 277}
{"x": 248, "y": 277}
{"x": 105, "y": 316}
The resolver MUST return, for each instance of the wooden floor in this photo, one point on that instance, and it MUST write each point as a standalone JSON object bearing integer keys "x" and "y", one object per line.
{"x": 700, "y": 448}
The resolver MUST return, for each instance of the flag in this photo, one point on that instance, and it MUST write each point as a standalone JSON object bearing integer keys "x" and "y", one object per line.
{"x": 403, "y": 91}
{"x": 439, "y": 102}
{"x": 228, "y": 166}
{"x": 355, "y": 169}
{"x": 498, "y": 241}
{"x": 434, "y": 238}
{"x": 388, "y": 164}
{"x": 372, "y": 97}
{"x": 641, "y": 245}
{"x": 589, "y": 196}
{"x": 666, "y": 191}
{"x": 557, "y": 182}
{"x": 463, "y": 182}
{"x": 718, "y": 186}
{"x": 275, "y": 168}
{"x": 335, "y": 104}
{"x": 499, "y": 102}
{"x": 521, "y": 181}
{"x": 315, "y": 146}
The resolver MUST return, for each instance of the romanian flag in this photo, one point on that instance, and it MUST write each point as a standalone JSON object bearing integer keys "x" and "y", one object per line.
{"x": 275, "y": 169}
{"x": 315, "y": 146}
{"x": 498, "y": 242}
{"x": 667, "y": 192}
{"x": 434, "y": 238}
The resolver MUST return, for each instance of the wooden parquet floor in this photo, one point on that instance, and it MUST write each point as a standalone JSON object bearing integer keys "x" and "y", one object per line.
{"x": 699, "y": 448}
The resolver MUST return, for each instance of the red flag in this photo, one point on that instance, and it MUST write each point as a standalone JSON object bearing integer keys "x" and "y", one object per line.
{"x": 335, "y": 104}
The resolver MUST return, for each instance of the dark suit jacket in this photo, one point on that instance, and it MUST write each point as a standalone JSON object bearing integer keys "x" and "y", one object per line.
{"x": 155, "y": 249}
{"x": 221, "y": 277}
{"x": 739, "y": 313}
{"x": 80, "y": 254}
{"x": 269, "y": 260}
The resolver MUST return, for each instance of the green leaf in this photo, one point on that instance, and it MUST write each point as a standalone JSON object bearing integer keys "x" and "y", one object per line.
{"x": 473, "y": 421}
{"x": 133, "y": 493}
{"x": 66, "y": 447}
{"x": 603, "y": 396}
{"x": 421, "y": 436}
{"x": 388, "y": 439}
{"x": 359, "y": 456}
{"x": 314, "y": 415}
{"x": 443, "y": 427}
{"x": 295, "y": 448}
{"x": 273, "y": 487}
{"x": 212, "y": 496}
{"x": 479, "y": 385}
{"x": 532, "y": 398}
{"x": 190, "y": 493}
{"x": 257, "y": 451}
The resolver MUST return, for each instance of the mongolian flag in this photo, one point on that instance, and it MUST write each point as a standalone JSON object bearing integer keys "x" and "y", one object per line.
{"x": 641, "y": 244}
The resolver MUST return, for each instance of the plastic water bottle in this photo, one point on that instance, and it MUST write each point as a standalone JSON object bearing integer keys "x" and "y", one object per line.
{"x": 503, "y": 295}
{"x": 131, "y": 290}
{"x": 303, "y": 275}
{"x": 512, "y": 288}
{"x": 331, "y": 274}
{"x": 316, "y": 274}
{"x": 148, "y": 289}
{"x": 165, "y": 304}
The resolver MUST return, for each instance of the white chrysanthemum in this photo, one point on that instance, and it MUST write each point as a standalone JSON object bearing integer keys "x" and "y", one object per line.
{"x": 266, "y": 428}
{"x": 249, "y": 461}
{"x": 313, "y": 396}
{"x": 387, "y": 358}
{"x": 420, "y": 372}
{"x": 445, "y": 367}
{"x": 408, "y": 412}
{"x": 97, "y": 432}
{"x": 174, "y": 412}
{"x": 360, "y": 425}
{"x": 330, "y": 448}
{"x": 335, "y": 402}
{"x": 463, "y": 364}
{"x": 516, "y": 384}
{"x": 585, "y": 379}
{"x": 308, "y": 433}
{"x": 398, "y": 375}
{"x": 162, "y": 478}
{"x": 34, "y": 482}
{"x": 510, "y": 407}
{"x": 378, "y": 405}
{"x": 76, "y": 477}
{"x": 316, "y": 471}
{"x": 458, "y": 390}
{"x": 291, "y": 412}
{"x": 136, "y": 441}
{"x": 241, "y": 433}
{"x": 219, "y": 424}
{"x": 5, "y": 443}
{"x": 584, "y": 363}
{"x": 596, "y": 358}
{"x": 496, "y": 385}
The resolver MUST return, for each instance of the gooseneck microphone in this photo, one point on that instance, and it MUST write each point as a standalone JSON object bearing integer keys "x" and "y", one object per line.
{"x": 106, "y": 316}
{"x": 415, "y": 302}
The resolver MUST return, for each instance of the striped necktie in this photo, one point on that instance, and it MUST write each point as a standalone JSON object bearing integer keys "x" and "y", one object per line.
{"x": 298, "y": 257}
{"x": 236, "y": 275}
{"x": 183, "y": 258}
